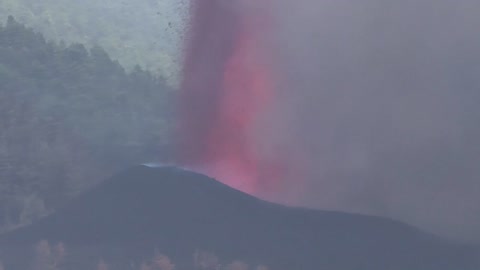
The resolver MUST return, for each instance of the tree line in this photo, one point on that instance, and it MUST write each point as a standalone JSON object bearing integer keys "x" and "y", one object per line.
{"x": 140, "y": 32}
{"x": 52, "y": 256}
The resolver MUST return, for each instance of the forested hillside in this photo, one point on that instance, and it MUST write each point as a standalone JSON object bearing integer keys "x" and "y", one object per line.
{"x": 68, "y": 117}
{"x": 144, "y": 32}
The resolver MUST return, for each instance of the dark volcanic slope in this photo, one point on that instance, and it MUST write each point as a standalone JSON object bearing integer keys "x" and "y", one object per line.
{"x": 177, "y": 211}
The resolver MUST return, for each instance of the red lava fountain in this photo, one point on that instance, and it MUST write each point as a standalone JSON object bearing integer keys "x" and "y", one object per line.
{"x": 227, "y": 87}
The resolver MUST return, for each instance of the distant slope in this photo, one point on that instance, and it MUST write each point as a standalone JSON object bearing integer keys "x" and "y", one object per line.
{"x": 143, "y": 32}
{"x": 178, "y": 211}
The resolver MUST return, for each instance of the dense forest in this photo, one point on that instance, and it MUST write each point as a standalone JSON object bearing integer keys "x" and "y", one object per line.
{"x": 142, "y": 32}
{"x": 66, "y": 108}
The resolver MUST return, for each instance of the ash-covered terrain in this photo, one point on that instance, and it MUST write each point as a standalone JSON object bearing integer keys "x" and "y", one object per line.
{"x": 177, "y": 211}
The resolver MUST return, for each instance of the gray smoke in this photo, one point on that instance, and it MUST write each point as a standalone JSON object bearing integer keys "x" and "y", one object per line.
{"x": 379, "y": 101}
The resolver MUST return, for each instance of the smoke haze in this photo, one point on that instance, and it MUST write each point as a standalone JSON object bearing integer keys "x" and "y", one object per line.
{"x": 376, "y": 108}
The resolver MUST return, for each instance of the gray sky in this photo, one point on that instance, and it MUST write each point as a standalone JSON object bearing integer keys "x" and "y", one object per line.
{"x": 379, "y": 102}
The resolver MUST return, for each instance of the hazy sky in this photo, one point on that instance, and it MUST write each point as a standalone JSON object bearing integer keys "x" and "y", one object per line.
{"x": 383, "y": 99}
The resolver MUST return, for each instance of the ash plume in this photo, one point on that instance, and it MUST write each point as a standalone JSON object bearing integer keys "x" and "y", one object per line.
{"x": 375, "y": 107}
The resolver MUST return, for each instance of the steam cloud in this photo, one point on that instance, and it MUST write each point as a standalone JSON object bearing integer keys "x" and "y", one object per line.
{"x": 376, "y": 108}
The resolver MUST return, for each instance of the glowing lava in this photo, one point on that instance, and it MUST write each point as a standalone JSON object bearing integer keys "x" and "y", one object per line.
{"x": 228, "y": 85}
